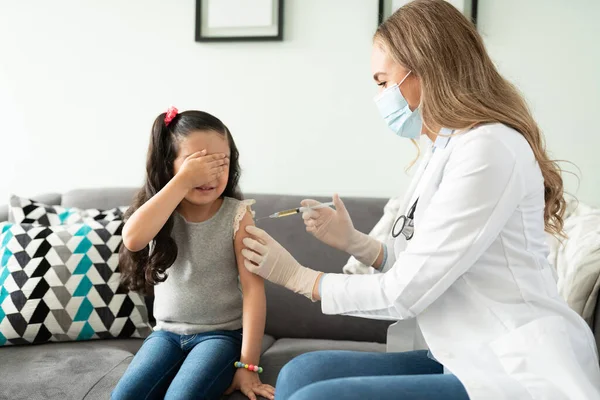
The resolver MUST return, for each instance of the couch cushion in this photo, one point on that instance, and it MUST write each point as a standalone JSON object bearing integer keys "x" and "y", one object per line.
{"x": 307, "y": 320}
{"x": 50, "y": 199}
{"x": 62, "y": 283}
{"x": 104, "y": 198}
{"x": 59, "y": 371}
{"x": 293, "y": 316}
{"x": 29, "y": 211}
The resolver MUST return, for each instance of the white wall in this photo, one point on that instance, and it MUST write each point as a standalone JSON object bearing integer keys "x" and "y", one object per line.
{"x": 81, "y": 82}
{"x": 550, "y": 50}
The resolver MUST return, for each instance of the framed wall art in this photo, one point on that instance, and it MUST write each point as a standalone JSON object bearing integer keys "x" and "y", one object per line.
{"x": 468, "y": 7}
{"x": 239, "y": 20}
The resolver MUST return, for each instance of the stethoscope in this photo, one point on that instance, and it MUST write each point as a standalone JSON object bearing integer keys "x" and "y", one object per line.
{"x": 405, "y": 223}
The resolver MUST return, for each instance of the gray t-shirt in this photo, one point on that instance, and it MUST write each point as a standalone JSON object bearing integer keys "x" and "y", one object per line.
{"x": 202, "y": 291}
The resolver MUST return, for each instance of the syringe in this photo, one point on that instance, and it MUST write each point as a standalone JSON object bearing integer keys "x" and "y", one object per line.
{"x": 293, "y": 211}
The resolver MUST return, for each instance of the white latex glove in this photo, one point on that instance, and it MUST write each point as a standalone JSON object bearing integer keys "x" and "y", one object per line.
{"x": 265, "y": 257}
{"x": 335, "y": 228}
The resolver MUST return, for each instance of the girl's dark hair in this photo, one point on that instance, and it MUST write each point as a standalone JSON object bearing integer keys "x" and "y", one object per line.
{"x": 141, "y": 270}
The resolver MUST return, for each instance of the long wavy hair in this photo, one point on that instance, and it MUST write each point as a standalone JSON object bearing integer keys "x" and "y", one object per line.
{"x": 460, "y": 86}
{"x": 141, "y": 270}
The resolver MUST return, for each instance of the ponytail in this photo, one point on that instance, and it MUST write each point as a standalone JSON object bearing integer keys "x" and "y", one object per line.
{"x": 141, "y": 270}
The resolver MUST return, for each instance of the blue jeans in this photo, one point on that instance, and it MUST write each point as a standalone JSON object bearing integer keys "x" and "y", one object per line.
{"x": 174, "y": 366}
{"x": 352, "y": 375}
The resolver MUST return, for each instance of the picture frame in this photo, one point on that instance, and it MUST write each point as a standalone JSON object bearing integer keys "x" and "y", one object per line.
{"x": 261, "y": 20}
{"x": 387, "y": 8}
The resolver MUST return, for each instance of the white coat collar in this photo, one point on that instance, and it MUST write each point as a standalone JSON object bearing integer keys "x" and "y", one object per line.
{"x": 442, "y": 139}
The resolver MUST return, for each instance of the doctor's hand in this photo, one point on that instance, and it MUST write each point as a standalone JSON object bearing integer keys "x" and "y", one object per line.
{"x": 332, "y": 227}
{"x": 265, "y": 257}
{"x": 335, "y": 228}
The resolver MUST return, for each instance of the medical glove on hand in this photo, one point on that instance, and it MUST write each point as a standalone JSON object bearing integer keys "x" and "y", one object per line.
{"x": 268, "y": 259}
{"x": 335, "y": 228}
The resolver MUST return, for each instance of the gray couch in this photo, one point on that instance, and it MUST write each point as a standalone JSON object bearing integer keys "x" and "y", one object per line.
{"x": 90, "y": 370}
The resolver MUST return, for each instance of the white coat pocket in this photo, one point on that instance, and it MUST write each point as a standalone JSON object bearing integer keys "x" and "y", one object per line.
{"x": 539, "y": 356}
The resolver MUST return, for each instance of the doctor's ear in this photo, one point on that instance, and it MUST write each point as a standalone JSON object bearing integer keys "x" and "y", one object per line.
{"x": 411, "y": 91}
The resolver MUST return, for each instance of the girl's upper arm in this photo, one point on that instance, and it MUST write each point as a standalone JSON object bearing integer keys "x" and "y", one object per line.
{"x": 247, "y": 278}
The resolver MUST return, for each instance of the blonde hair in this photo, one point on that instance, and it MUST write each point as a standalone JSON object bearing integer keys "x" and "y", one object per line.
{"x": 460, "y": 86}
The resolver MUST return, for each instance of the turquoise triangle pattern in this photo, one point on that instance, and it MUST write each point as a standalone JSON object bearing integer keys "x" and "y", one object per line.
{"x": 86, "y": 332}
{"x": 5, "y": 257}
{"x": 3, "y": 275}
{"x": 83, "y": 231}
{"x": 3, "y": 293}
{"x": 83, "y": 266}
{"x": 84, "y": 312}
{"x": 17, "y": 266}
{"x": 7, "y": 238}
{"x": 83, "y": 288}
{"x": 64, "y": 215}
{"x": 83, "y": 246}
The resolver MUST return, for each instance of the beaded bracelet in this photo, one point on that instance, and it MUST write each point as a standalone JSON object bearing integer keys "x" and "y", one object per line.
{"x": 249, "y": 367}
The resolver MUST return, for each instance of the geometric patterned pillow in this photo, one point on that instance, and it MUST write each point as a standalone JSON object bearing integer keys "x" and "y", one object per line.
{"x": 26, "y": 211}
{"x": 61, "y": 283}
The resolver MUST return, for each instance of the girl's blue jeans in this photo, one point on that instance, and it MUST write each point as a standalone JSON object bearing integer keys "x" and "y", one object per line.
{"x": 174, "y": 366}
{"x": 349, "y": 375}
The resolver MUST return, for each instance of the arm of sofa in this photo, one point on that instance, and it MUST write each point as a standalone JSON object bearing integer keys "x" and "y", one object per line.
{"x": 3, "y": 213}
{"x": 596, "y": 326}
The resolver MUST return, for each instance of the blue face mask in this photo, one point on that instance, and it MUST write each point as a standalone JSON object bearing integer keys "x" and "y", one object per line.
{"x": 397, "y": 114}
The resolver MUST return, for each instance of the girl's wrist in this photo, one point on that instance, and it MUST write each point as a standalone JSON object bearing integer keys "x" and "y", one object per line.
{"x": 179, "y": 185}
{"x": 249, "y": 359}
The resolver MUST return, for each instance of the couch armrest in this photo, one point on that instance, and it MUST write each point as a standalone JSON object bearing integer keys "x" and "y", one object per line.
{"x": 3, "y": 213}
{"x": 596, "y": 324}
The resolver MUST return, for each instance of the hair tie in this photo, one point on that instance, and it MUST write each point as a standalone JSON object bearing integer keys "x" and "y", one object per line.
{"x": 171, "y": 113}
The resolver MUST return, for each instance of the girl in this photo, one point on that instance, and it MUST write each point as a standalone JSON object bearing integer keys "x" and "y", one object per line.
{"x": 182, "y": 240}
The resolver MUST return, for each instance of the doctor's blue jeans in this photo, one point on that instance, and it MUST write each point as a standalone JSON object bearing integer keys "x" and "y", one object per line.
{"x": 351, "y": 375}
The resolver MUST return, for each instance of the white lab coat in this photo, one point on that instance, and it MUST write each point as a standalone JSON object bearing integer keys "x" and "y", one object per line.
{"x": 475, "y": 276}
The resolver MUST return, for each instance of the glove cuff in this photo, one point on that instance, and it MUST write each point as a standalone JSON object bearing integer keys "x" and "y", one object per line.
{"x": 303, "y": 281}
{"x": 364, "y": 248}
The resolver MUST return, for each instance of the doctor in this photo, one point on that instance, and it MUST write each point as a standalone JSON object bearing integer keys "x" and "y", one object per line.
{"x": 465, "y": 256}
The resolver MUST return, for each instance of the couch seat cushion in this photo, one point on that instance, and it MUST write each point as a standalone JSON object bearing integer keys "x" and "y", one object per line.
{"x": 61, "y": 371}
